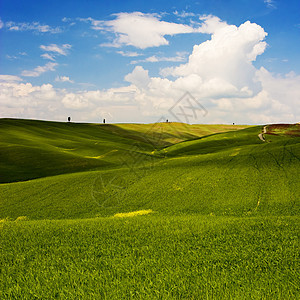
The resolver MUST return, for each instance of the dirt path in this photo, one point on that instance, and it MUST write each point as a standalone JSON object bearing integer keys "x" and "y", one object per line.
{"x": 261, "y": 135}
{"x": 265, "y": 129}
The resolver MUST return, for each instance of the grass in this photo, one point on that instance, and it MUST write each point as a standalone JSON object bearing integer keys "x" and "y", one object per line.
{"x": 147, "y": 257}
{"x": 203, "y": 176}
{"x": 31, "y": 149}
{"x": 163, "y": 211}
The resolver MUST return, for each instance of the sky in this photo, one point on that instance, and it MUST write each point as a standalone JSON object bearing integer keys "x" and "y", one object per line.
{"x": 205, "y": 61}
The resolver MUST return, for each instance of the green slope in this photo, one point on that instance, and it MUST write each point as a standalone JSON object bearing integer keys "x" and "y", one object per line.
{"x": 232, "y": 173}
{"x": 33, "y": 149}
{"x": 224, "y": 221}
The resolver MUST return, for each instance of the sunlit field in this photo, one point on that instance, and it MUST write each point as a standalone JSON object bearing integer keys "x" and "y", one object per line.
{"x": 156, "y": 211}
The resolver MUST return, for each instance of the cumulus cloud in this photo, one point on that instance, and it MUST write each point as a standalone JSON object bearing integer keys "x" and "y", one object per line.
{"x": 148, "y": 30}
{"x": 62, "y": 50}
{"x": 96, "y": 99}
{"x": 76, "y": 101}
{"x": 1, "y": 24}
{"x": 139, "y": 77}
{"x": 226, "y": 60}
{"x": 63, "y": 79}
{"x": 219, "y": 73}
{"x": 210, "y": 24}
{"x": 146, "y": 99}
{"x": 25, "y": 100}
{"x": 139, "y": 30}
{"x": 34, "y": 26}
{"x": 39, "y": 70}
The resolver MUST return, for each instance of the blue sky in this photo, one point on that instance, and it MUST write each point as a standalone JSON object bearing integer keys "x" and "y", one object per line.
{"x": 130, "y": 61}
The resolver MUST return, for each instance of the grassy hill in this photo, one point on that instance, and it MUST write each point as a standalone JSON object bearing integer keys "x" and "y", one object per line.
{"x": 32, "y": 149}
{"x": 222, "y": 204}
{"x": 206, "y": 175}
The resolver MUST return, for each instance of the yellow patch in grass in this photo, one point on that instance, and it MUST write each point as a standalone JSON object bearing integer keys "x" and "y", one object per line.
{"x": 177, "y": 188}
{"x": 101, "y": 156}
{"x": 133, "y": 213}
{"x": 236, "y": 152}
{"x": 22, "y": 218}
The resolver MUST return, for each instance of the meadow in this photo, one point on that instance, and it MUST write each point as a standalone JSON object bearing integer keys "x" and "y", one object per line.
{"x": 148, "y": 211}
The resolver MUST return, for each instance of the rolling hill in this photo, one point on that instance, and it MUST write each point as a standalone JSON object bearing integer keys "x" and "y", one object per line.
{"x": 205, "y": 175}
{"x": 32, "y": 149}
{"x": 146, "y": 211}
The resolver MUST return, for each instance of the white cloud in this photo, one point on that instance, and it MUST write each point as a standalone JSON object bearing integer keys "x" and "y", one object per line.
{"x": 270, "y": 3}
{"x": 10, "y": 78}
{"x": 63, "y": 79}
{"x": 65, "y": 19}
{"x": 11, "y": 57}
{"x": 139, "y": 30}
{"x": 184, "y": 14}
{"x": 219, "y": 73}
{"x": 129, "y": 53}
{"x": 180, "y": 57}
{"x": 62, "y": 50}
{"x": 1, "y": 24}
{"x": 34, "y": 26}
{"x": 282, "y": 88}
{"x": 146, "y": 99}
{"x": 39, "y": 70}
{"x": 139, "y": 77}
{"x": 18, "y": 56}
{"x": 226, "y": 57}
{"x": 48, "y": 56}
{"x": 70, "y": 21}
{"x": 148, "y": 30}
{"x": 93, "y": 100}
{"x": 210, "y": 24}
{"x": 76, "y": 101}
{"x": 96, "y": 24}
{"x": 24, "y": 99}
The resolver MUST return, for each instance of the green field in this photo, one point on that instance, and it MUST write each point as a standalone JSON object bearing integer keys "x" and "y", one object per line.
{"x": 222, "y": 211}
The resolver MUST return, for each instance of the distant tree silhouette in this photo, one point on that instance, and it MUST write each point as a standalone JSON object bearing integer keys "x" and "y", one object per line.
{"x": 103, "y": 121}
{"x": 69, "y": 119}
{"x": 167, "y": 121}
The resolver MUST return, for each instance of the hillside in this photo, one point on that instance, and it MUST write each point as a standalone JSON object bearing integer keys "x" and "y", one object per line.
{"x": 156, "y": 211}
{"x": 206, "y": 175}
{"x": 32, "y": 149}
